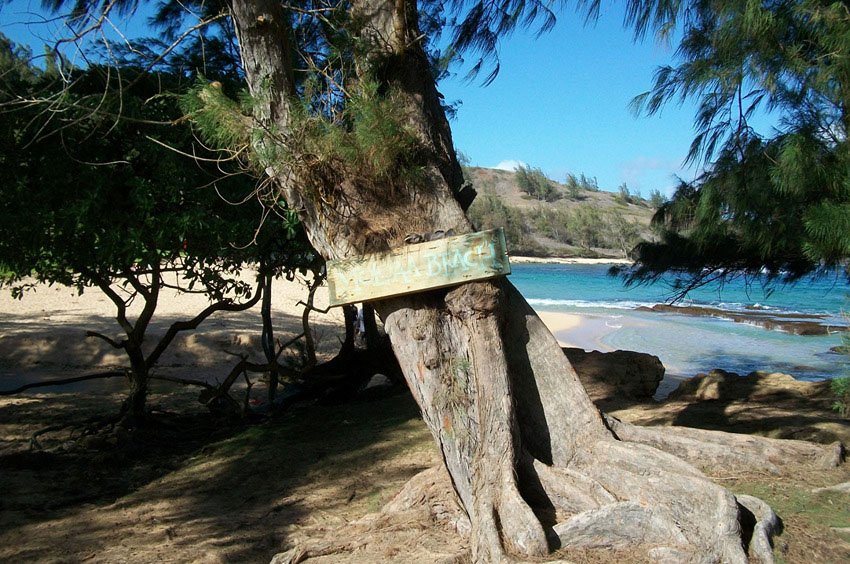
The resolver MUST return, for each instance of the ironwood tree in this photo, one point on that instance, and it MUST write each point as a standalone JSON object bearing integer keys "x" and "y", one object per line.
{"x": 363, "y": 152}
{"x": 774, "y": 200}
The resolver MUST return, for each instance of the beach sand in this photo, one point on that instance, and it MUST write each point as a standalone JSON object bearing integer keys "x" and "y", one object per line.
{"x": 559, "y": 260}
{"x": 43, "y": 335}
{"x": 560, "y": 324}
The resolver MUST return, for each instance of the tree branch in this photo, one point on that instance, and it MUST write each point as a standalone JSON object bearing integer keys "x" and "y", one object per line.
{"x": 120, "y": 304}
{"x": 151, "y": 296}
{"x": 179, "y": 326}
{"x": 114, "y": 343}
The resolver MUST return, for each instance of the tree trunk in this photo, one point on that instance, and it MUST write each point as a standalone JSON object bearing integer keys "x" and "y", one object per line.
{"x": 309, "y": 341}
{"x": 370, "y": 327}
{"x": 267, "y": 337}
{"x": 524, "y": 446}
{"x": 133, "y": 409}
{"x": 349, "y": 315}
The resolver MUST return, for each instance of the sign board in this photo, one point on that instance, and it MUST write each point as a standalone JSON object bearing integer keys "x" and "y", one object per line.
{"x": 414, "y": 268}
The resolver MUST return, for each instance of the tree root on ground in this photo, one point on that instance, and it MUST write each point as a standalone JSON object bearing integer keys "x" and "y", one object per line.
{"x": 615, "y": 495}
{"x": 716, "y": 449}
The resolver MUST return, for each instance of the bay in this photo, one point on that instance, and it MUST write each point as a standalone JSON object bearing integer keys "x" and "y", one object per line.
{"x": 612, "y": 319}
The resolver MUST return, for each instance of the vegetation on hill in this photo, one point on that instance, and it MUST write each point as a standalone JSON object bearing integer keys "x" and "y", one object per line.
{"x": 545, "y": 218}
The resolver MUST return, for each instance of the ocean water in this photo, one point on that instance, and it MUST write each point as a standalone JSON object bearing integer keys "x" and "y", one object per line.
{"x": 688, "y": 345}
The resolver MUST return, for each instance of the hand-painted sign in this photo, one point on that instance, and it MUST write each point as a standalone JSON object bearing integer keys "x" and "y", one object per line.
{"x": 414, "y": 268}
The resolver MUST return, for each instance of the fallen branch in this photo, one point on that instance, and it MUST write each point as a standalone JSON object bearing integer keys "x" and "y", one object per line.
{"x": 184, "y": 381}
{"x": 61, "y": 382}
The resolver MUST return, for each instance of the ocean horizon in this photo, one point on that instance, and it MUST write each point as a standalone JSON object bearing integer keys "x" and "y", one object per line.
{"x": 741, "y": 335}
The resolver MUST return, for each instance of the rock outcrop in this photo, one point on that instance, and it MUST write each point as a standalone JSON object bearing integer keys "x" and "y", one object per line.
{"x": 722, "y": 385}
{"x": 618, "y": 374}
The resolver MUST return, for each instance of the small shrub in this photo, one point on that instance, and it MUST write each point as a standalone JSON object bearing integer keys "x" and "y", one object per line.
{"x": 533, "y": 182}
{"x": 841, "y": 388}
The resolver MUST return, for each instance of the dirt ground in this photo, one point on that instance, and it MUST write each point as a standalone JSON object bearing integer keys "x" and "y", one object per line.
{"x": 193, "y": 488}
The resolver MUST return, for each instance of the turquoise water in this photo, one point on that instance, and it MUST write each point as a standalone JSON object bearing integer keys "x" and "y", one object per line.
{"x": 686, "y": 344}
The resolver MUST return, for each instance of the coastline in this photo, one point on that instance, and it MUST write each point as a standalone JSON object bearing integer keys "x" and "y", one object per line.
{"x": 519, "y": 259}
{"x": 42, "y": 336}
{"x": 558, "y": 323}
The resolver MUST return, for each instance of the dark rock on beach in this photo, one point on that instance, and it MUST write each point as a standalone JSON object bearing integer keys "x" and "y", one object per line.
{"x": 618, "y": 374}
{"x": 797, "y": 324}
{"x": 720, "y": 385}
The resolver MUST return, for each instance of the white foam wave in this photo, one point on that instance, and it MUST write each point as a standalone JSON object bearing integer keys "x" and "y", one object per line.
{"x": 732, "y": 307}
{"x": 544, "y": 302}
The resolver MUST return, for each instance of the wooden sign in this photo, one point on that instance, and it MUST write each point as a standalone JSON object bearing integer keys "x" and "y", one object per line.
{"x": 414, "y": 268}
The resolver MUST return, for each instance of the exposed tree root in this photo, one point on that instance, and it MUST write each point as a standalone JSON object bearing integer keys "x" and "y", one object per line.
{"x": 713, "y": 449}
{"x": 766, "y": 524}
{"x": 95, "y": 432}
{"x": 661, "y": 500}
{"x": 615, "y": 495}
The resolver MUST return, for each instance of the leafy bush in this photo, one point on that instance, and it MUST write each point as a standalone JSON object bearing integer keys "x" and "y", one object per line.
{"x": 533, "y": 182}
{"x": 841, "y": 388}
{"x": 489, "y": 212}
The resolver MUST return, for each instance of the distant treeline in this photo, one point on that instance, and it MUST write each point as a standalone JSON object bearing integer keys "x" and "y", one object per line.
{"x": 587, "y": 227}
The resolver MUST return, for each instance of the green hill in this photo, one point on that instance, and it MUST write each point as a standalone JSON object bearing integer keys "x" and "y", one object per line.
{"x": 545, "y": 218}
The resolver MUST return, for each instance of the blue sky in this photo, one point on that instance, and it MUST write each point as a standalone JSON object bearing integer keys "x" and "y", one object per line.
{"x": 560, "y": 102}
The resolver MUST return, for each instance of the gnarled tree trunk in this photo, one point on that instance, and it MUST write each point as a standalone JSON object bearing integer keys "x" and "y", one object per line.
{"x": 534, "y": 464}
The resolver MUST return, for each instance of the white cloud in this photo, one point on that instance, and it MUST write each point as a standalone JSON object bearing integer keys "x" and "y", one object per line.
{"x": 510, "y": 165}
{"x": 646, "y": 174}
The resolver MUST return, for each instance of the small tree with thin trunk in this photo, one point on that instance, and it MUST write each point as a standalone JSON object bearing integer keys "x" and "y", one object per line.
{"x": 533, "y": 182}
{"x": 101, "y": 198}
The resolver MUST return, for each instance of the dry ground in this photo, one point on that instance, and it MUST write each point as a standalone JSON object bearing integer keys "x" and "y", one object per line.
{"x": 192, "y": 490}
{"x": 195, "y": 489}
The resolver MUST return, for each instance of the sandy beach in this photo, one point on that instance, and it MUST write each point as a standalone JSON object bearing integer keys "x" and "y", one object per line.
{"x": 559, "y": 260}
{"x": 43, "y": 334}
{"x": 560, "y": 323}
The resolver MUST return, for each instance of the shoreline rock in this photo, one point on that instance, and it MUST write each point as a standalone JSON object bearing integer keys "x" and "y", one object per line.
{"x": 794, "y": 323}
{"x": 720, "y": 384}
{"x": 617, "y": 375}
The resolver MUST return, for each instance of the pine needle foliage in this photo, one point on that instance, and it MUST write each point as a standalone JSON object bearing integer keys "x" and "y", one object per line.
{"x": 776, "y": 203}
{"x": 223, "y": 122}
{"x": 368, "y": 142}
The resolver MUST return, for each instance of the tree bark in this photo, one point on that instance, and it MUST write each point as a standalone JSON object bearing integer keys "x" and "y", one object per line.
{"x": 267, "y": 337}
{"x": 533, "y": 463}
{"x": 133, "y": 409}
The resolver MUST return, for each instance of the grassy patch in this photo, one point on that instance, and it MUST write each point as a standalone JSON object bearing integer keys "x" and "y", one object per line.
{"x": 808, "y": 518}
